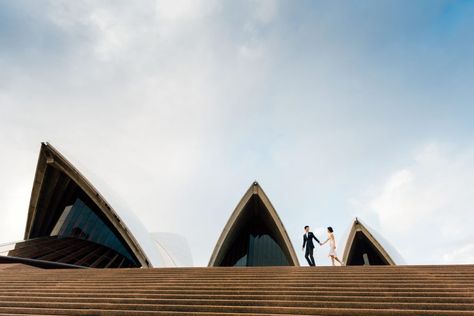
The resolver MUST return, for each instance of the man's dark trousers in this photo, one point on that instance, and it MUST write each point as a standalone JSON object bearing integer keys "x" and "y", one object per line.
{"x": 308, "y": 242}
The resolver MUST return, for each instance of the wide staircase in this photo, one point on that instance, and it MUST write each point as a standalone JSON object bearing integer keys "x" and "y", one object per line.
{"x": 67, "y": 250}
{"x": 361, "y": 290}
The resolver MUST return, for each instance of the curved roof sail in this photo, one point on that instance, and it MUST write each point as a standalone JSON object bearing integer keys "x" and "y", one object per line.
{"x": 254, "y": 235}
{"x": 58, "y": 186}
{"x": 174, "y": 249}
{"x": 363, "y": 247}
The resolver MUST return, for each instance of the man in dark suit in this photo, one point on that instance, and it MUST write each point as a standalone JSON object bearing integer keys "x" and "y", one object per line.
{"x": 308, "y": 242}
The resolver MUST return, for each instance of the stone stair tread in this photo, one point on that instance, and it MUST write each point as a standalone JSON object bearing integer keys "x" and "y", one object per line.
{"x": 374, "y": 290}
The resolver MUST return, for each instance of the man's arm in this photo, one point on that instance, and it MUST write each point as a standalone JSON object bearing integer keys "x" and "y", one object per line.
{"x": 304, "y": 241}
{"x": 312, "y": 235}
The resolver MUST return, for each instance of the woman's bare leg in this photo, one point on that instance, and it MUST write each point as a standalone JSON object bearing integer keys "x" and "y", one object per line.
{"x": 332, "y": 260}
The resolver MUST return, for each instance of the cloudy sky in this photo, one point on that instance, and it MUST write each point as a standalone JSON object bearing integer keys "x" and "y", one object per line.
{"x": 339, "y": 109}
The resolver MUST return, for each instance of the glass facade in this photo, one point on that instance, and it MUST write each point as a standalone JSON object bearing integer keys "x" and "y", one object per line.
{"x": 81, "y": 222}
{"x": 255, "y": 240}
{"x": 363, "y": 252}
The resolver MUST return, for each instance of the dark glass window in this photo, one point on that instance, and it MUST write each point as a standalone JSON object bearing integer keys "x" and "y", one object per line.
{"x": 81, "y": 222}
{"x": 254, "y": 239}
{"x": 363, "y": 252}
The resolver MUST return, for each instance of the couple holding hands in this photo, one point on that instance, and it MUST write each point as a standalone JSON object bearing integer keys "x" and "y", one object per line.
{"x": 308, "y": 242}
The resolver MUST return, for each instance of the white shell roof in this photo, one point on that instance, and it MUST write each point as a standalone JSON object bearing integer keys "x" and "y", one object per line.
{"x": 389, "y": 248}
{"x": 174, "y": 249}
{"x": 254, "y": 189}
{"x": 124, "y": 211}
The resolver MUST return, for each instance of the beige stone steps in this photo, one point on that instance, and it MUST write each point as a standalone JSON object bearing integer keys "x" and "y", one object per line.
{"x": 230, "y": 280}
{"x": 402, "y": 290}
{"x": 240, "y": 283}
{"x": 234, "y": 278}
{"x": 216, "y": 287}
{"x": 329, "y": 291}
{"x": 466, "y": 281}
{"x": 230, "y": 277}
{"x": 325, "y": 310}
{"x": 231, "y": 299}
{"x": 127, "y": 302}
{"x": 122, "y": 293}
{"x": 88, "y": 312}
{"x": 339, "y": 312}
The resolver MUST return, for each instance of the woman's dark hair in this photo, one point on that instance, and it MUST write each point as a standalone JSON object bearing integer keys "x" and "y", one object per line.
{"x": 330, "y": 229}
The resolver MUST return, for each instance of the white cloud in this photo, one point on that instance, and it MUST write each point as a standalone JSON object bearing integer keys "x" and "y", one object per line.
{"x": 114, "y": 35}
{"x": 461, "y": 254}
{"x": 184, "y": 9}
{"x": 426, "y": 207}
{"x": 178, "y": 105}
{"x": 265, "y": 11}
{"x": 250, "y": 53}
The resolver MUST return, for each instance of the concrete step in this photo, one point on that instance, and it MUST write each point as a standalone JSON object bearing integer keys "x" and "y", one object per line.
{"x": 100, "y": 297}
{"x": 401, "y": 290}
{"x": 200, "y": 293}
{"x": 339, "y": 302}
{"x": 93, "y": 309}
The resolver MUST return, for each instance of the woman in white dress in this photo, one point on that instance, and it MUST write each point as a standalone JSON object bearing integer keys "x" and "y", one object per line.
{"x": 332, "y": 247}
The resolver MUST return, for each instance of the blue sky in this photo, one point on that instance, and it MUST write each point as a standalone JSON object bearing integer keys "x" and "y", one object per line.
{"x": 339, "y": 109}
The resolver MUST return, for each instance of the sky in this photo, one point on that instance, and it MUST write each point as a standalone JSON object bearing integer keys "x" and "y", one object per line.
{"x": 337, "y": 108}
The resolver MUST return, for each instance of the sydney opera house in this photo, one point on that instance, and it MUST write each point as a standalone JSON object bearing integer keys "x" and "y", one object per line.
{"x": 80, "y": 255}
{"x": 72, "y": 225}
